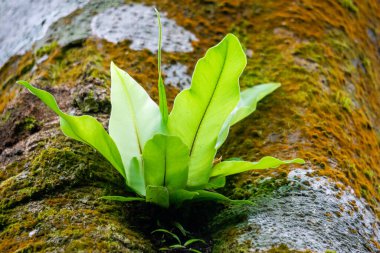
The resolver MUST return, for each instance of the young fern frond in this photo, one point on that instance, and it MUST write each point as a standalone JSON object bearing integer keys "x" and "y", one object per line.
{"x": 161, "y": 87}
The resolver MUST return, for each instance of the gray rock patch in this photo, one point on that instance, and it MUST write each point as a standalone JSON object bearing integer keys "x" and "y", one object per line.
{"x": 24, "y": 22}
{"x": 312, "y": 213}
{"x": 137, "y": 23}
{"x": 78, "y": 27}
{"x": 176, "y": 75}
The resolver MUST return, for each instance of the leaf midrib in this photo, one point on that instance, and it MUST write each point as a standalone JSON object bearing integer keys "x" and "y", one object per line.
{"x": 208, "y": 105}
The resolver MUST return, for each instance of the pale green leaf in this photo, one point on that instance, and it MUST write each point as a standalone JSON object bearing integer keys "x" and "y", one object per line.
{"x": 234, "y": 167}
{"x": 247, "y": 105}
{"x": 199, "y": 113}
{"x": 134, "y": 119}
{"x": 166, "y": 162}
{"x": 158, "y": 195}
{"x": 82, "y": 128}
{"x": 122, "y": 198}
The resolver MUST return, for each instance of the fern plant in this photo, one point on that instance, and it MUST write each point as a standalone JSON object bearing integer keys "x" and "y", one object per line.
{"x": 167, "y": 159}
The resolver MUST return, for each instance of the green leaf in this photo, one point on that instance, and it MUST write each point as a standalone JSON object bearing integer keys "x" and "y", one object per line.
{"x": 183, "y": 231}
{"x": 179, "y": 196}
{"x": 165, "y": 231}
{"x": 177, "y": 246}
{"x": 216, "y": 182}
{"x": 122, "y": 198}
{"x": 247, "y": 105}
{"x": 199, "y": 113}
{"x": 214, "y": 196}
{"x": 161, "y": 86}
{"x": 235, "y": 167}
{"x": 82, "y": 128}
{"x": 166, "y": 162}
{"x": 195, "y": 251}
{"x": 191, "y": 241}
{"x": 134, "y": 119}
{"x": 158, "y": 195}
{"x": 135, "y": 177}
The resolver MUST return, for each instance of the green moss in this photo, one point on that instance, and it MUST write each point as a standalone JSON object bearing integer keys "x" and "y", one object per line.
{"x": 349, "y": 4}
{"x": 3, "y": 221}
{"x": 66, "y": 164}
{"x": 93, "y": 100}
{"x": 46, "y": 49}
{"x": 65, "y": 221}
{"x": 30, "y": 248}
{"x": 312, "y": 51}
{"x": 4, "y": 117}
{"x": 259, "y": 187}
{"x": 56, "y": 72}
{"x": 369, "y": 173}
{"x": 344, "y": 101}
{"x": 28, "y": 124}
{"x": 241, "y": 30}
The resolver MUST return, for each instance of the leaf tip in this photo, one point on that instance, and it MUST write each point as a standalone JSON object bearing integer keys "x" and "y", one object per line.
{"x": 112, "y": 65}
{"x": 22, "y": 82}
{"x": 231, "y": 35}
{"x": 299, "y": 161}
